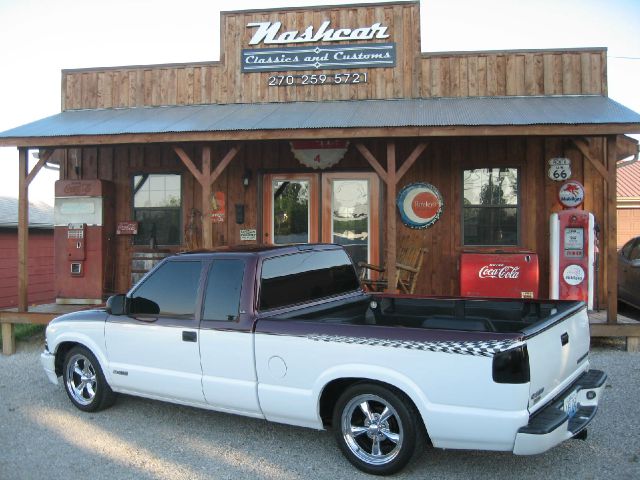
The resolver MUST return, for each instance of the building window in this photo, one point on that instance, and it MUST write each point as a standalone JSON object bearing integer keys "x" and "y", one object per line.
{"x": 490, "y": 206}
{"x": 157, "y": 207}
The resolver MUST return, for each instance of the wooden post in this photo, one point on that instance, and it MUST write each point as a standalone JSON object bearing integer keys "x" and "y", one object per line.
{"x": 391, "y": 217}
{"x": 207, "y": 227}
{"x": 610, "y": 232}
{"x": 23, "y": 228}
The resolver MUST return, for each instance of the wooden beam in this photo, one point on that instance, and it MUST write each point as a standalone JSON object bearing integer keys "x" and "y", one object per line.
{"x": 8, "y": 339}
{"x": 45, "y": 155}
{"x": 224, "y": 163}
{"x": 188, "y": 163}
{"x": 627, "y": 147}
{"x": 372, "y": 161}
{"x": 391, "y": 218}
{"x": 408, "y": 163}
{"x": 585, "y": 149}
{"x": 23, "y": 228}
{"x": 207, "y": 227}
{"x": 615, "y": 330}
{"x": 610, "y": 231}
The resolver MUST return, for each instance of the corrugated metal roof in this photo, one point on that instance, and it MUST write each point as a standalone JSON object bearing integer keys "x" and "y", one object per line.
{"x": 40, "y": 213}
{"x": 628, "y": 185}
{"x": 431, "y": 112}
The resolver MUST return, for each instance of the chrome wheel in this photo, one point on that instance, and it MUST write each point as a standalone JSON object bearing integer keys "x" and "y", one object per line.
{"x": 81, "y": 379}
{"x": 372, "y": 429}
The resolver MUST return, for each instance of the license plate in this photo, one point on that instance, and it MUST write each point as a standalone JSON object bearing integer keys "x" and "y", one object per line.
{"x": 570, "y": 405}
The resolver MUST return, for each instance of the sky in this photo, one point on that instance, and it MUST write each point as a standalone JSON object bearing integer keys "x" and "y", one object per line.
{"x": 39, "y": 38}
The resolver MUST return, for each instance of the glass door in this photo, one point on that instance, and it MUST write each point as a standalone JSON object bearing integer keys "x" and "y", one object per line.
{"x": 290, "y": 208}
{"x": 350, "y": 212}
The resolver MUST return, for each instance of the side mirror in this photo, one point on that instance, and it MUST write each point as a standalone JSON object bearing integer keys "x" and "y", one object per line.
{"x": 117, "y": 304}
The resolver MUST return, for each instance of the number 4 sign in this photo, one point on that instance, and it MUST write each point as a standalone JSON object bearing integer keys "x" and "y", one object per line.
{"x": 559, "y": 169}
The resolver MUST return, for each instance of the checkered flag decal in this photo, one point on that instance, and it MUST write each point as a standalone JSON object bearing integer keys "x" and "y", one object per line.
{"x": 486, "y": 348}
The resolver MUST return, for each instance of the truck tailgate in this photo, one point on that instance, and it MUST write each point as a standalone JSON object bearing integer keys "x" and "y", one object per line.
{"x": 558, "y": 353}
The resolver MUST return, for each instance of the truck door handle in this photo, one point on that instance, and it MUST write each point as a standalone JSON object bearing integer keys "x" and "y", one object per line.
{"x": 189, "y": 336}
{"x": 564, "y": 338}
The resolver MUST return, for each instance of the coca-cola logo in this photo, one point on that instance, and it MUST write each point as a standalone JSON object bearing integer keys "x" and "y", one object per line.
{"x": 499, "y": 270}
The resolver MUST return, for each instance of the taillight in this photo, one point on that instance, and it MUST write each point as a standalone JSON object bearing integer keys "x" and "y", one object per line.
{"x": 512, "y": 366}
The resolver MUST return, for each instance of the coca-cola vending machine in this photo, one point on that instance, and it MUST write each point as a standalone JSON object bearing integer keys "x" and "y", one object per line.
{"x": 500, "y": 275}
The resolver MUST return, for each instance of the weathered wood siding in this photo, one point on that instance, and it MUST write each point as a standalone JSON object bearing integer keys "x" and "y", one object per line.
{"x": 441, "y": 165}
{"x": 546, "y": 72}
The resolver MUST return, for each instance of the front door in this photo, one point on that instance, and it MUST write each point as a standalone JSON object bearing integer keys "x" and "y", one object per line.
{"x": 343, "y": 211}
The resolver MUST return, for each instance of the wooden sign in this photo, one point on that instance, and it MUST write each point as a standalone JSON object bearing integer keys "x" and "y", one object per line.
{"x": 127, "y": 228}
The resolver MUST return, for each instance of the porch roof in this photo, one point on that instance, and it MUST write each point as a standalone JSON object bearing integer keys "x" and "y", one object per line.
{"x": 533, "y": 115}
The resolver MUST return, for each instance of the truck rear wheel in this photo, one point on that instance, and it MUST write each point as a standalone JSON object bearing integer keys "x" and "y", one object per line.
{"x": 376, "y": 428}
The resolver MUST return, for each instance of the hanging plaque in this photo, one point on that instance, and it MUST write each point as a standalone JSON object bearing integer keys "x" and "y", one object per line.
{"x": 319, "y": 154}
{"x": 218, "y": 208}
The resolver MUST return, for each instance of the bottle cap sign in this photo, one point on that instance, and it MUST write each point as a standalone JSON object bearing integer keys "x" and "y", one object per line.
{"x": 420, "y": 205}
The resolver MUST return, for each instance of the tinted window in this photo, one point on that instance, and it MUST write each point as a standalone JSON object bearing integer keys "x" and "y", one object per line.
{"x": 626, "y": 250}
{"x": 306, "y": 276}
{"x": 169, "y": 291}
{"x": 222, "y": 300}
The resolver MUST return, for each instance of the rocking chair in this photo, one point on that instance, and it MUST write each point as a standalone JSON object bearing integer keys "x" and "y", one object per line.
{"x": 408, "y": 266}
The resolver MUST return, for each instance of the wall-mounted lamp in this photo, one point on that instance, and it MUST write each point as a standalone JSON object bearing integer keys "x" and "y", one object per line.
{"x": 246, "y": 178}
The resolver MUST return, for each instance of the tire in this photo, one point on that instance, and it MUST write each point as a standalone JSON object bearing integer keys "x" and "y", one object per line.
{"x": 377, "y": 429}
{"x": 84, "y": 381}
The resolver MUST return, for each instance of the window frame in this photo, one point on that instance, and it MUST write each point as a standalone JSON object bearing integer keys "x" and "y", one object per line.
{"x": 190, "y": 321}
{"x": 518, "y": 208}
{"x": 208, "y": 270}
{"x": 180, "y": 208}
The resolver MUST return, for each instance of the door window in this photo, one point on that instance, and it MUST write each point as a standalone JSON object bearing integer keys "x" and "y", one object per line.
{"x": 224, "y": 285}
{"x": 170, "y": 291}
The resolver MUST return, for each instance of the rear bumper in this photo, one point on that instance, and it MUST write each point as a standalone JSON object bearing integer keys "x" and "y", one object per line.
{"x": 552, "y": 425}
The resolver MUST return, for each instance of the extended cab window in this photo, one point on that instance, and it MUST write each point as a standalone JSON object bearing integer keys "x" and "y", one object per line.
{"x": 170, "y": 291}
{"x": 222, "y": 300}
{"x": 306, "y": 276}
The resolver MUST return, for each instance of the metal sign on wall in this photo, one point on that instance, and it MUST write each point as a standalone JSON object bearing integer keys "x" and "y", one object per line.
{"x": 326, "y": 57}
{"x": 420, "y": 205}
{"x": 314, "y": 57}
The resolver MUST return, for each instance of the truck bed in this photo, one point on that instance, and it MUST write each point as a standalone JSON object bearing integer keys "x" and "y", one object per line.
{"x": 461, "y": 314}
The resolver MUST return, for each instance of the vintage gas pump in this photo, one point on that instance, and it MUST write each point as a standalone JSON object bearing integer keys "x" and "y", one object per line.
{"x": 572, "y": 254}
{"x": 83, "y": 235}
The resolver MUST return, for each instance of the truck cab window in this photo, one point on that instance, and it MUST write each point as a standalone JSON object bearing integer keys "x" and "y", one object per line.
{"x": 160, "y": 293}
{"x": 224, "y": 285}
{"x": 307, "y": 276}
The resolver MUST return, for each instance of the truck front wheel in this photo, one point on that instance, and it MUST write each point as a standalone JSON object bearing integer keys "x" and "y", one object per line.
{"x": 376, "y": 428}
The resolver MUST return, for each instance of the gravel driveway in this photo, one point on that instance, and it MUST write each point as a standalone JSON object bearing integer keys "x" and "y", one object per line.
{"x": 43, "y": 436}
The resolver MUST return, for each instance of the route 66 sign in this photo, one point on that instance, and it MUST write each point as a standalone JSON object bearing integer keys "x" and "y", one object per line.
{"x": 559, "y": 169}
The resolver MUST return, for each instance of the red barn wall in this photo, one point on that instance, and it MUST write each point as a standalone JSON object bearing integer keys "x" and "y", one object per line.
{"x": 41, "y": 277}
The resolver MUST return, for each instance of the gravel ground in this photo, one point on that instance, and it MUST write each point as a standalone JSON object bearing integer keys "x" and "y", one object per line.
{"x": 43, "y": 436}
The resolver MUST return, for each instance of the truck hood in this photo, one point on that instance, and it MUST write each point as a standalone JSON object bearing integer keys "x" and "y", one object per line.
{"x": 98, "y": 315}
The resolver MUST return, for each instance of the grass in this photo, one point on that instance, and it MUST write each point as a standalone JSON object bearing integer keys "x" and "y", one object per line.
{"x": 24, "y": 331}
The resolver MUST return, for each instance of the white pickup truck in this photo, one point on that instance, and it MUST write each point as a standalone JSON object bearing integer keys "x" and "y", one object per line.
{"x": 287, "y": 334}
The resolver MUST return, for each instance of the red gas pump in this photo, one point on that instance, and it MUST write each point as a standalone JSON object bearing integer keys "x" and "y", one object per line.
{"x": 83, "y": 232}
{"x": 572, "y": 254}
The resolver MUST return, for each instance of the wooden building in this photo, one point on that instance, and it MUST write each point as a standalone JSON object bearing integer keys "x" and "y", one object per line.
{"x": 316, "y": 118}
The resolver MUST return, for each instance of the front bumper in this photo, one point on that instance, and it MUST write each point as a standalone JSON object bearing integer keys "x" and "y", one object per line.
{"x": 552, "y": 425}
{"x": 48, "y": 362}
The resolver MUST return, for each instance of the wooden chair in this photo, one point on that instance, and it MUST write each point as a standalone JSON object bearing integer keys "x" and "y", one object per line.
{"x": 408, "y": 266}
